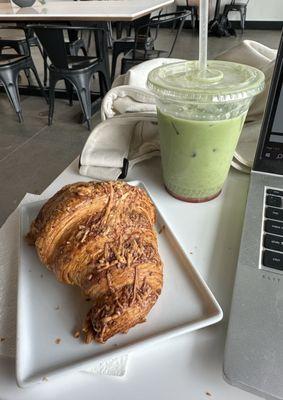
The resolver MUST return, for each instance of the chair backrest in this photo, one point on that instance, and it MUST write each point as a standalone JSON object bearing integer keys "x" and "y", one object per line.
{"x": 146, "y": 35}
{"x": 24, "y": 30}
{"x": 52, "y": 40}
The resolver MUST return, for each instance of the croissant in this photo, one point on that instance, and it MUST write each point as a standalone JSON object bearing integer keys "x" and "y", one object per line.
{"x": 101, "y": 238}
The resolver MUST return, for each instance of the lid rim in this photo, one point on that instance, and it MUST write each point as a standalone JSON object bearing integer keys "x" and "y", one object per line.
{"x": 166, "y": 91}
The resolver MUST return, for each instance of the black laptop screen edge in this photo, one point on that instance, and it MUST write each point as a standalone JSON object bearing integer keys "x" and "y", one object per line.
{"x": 274, "y": 166}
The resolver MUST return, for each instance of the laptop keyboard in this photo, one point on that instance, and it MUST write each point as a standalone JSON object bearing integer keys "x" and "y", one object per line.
{"x": 272, "y": 256}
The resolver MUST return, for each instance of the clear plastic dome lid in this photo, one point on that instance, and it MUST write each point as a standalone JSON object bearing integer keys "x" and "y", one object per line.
{"x": 221, "y": 82}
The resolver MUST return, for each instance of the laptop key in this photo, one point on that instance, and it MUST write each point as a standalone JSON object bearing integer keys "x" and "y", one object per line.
{"x": 273, "y": 242}
{"x": 274, "y": 227}
{"x": 272, "y": 260}
{"x": 274, "y": 213}
{"x": 274, "y": 201}
{"x": 275, "y": 192}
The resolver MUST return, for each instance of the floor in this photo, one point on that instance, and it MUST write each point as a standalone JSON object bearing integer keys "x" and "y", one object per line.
{"x": 32, "y": 154}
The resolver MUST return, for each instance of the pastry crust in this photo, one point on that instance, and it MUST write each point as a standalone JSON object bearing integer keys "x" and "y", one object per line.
{"x": 101, "y": 238}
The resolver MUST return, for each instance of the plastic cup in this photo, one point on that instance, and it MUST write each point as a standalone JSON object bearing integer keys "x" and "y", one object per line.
{"x": 200, "y": 118}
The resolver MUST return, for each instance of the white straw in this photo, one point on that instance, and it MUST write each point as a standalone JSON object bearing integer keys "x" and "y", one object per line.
{"x": 203, "y": 24}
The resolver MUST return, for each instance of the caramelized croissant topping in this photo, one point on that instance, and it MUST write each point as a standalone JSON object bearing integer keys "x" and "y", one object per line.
{"x": 100, "y": 237}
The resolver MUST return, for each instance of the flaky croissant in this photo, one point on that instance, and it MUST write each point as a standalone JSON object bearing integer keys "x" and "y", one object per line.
{"x": 100, "y": 237}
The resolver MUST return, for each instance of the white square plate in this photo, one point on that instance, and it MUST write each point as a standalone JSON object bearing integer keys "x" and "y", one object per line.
{"x": 49, "y": 310}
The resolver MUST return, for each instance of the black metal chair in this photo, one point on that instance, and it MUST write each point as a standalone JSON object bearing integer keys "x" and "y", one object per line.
{"x": 146, "y": 36}
{"x": 74, "y": 45}
{"x": 124, "y": 44}
{"x": 240, "y": 7}
{"x": 10, "y": 67}
{"x": 75, "y": 42}
{"x": 74, "y": 69}
{"x": 194, "y": 13}
{"x": 120, "y": 26}
{"x": 20, "y": 45}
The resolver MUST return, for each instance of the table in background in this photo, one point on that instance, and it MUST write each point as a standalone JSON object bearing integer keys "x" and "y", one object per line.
{"x": 188, "y": 367}
{"x": 102, "y": 10}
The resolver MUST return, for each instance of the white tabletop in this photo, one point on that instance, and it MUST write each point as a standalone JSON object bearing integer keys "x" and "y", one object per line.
{"x": 103, "y": 10}
{"x": 188, "y": 367}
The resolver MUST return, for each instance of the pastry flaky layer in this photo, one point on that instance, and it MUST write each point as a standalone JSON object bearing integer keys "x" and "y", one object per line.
{"x": 101, "y": 237}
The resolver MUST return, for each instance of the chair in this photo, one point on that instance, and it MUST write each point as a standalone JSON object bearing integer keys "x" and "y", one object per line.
{"x": 146, "y": 36}
{"x": 75, "y": 41}
{"x": 76, "y": 70}
{"x": 10, "y": 67}
{"x": 20, "y": 45}
{"x": 74, "y": 44}
{"x": 241, "y": 7}
{"x": 123, "y": 25}
{"x": 124, "y": 44}
{"x": 191, "y": 6}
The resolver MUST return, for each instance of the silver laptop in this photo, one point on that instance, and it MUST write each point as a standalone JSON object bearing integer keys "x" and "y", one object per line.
{"x": 253, "y": 357}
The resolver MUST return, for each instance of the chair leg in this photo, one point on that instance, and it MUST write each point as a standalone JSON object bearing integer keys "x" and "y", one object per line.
{"x": 22, "y": 49}
{"x": 88, "y": 41}
{"x": 72, "y": 51}
{"x": 193, "y": 19}
{"x": 69, "y": 88}
{"x": 85, "y": 101}
{"x": 129, "y": 29}
{"x": 243, "y": 19}
{"x": 114, "y": 62}
{"x": 109, "y": 35}
{"x": 125, "y": 66}
{"x": 104, "y": 82}
{"x": 106, "y": 78}
{"x": 84, "y": 51}
{"x": 177, "y": 36}
{"x": 119, "y": 29}
{"x": 39, "y": 82}
{"x": 27, "y": 74}
{"x": 81, "y": 46}
{"x": 52, "y": 85}
{"x": 178, "y": 8}
{"x": 10, "y": 83}
{"x": 102, "y": 50}
{"x": 45, "y": 68}
{"x": 82, "y": 85}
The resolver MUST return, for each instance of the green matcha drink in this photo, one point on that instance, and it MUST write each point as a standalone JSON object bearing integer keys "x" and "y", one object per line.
{"x": 198, "y": 162}
{"x": 200, "y": 118}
